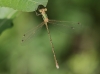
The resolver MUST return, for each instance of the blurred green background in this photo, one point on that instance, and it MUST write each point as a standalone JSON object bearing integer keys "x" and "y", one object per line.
{"x": 77, "y": 53}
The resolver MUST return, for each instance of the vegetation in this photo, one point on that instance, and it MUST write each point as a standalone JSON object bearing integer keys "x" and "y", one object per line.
{"x": 77, "y": 50}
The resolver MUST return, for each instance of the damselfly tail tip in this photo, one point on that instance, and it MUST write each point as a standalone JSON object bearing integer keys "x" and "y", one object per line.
{"x": 57, "y": 66}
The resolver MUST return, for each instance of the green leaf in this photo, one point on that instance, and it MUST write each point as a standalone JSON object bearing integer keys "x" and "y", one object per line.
{"x": 8, "y": 13}
{"x": 23, "y": 5}
{"x": 4, "y": 24}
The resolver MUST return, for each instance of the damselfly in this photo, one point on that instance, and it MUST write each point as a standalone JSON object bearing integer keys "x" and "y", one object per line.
{"x": 54, "y": 22}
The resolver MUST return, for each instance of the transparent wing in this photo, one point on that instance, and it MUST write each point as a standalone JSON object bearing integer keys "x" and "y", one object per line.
{"x": 31, "y": 33}
{"x": 66, "y": 26}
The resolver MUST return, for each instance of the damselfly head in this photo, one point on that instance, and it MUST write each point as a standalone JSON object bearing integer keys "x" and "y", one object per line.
{"x": 41, "y": 8}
